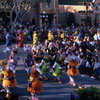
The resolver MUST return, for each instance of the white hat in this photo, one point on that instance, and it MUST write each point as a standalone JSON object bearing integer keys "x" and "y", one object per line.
{"x": 73, "y": 57}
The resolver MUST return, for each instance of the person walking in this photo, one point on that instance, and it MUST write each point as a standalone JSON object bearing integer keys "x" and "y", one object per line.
{"x": 21, "y": 38}
{"x": 8, "y": 39}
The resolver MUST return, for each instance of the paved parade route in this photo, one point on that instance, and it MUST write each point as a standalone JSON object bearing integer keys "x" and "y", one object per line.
{"x": 52, "y": 90}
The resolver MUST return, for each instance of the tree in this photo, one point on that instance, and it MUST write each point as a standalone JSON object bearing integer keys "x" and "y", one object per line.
{"x": 20, "y": 8}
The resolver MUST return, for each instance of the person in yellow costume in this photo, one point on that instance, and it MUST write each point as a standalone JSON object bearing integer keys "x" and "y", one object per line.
{"x": 63, "y": 36}
{"x": 50, "y": 36}
{"x": 35, "y": 38}
{"x": 9, "y": 80}
{"x": 73, "y": 69}
{"x": 76, "y": 32}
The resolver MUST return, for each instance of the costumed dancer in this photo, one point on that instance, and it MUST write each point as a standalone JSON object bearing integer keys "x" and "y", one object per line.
{"x": 72, "y": 70}
{"x": 9, "y": 81}
{"x": 21, "y": 38}
{"x": 29, "y": 61}
{"x": 35, "y": 84}
{"x": 8, "y": 39}
{"x": 59, "y": 34}
{"x": 45, "y": 66}
{"x": 13, "y": 56}
{"x": 41, "y": 36}
{"x": 2, "y": 64}
{"x": 50, "y": 36}
{"x": 35, "y": 38}
{"x": 25, "y": 36}
{"x": 57, "y": 70}
{"x": 63, "y": 35}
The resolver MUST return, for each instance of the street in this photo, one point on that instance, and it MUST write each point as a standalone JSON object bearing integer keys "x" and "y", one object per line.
{"x": 52, "y": 90}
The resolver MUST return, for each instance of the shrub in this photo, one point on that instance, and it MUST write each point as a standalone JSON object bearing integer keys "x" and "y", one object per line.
{"x": 90, "y": 93}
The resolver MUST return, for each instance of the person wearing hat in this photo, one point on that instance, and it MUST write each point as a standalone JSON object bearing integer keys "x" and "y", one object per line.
{"x": 45, "y": 66}
{"x": 25, "y": 36}
{"x": 8, "y": 39}
{"x": 35, "y": 38}
{"x": 41, "y": 35}
{"x": 21, "y": 38}
{"x": 72, "y": 69}
{"x": 50, "y": 36}
{"x": 14, "y": 56}
{"x": 35, "y": 85}
{"x": 2, "y": 64}
{"x": 9, "y": 81}
{"x": 63, "y": 35}
{"x": 29, "y": 61}
{"x": 57, "y": 69}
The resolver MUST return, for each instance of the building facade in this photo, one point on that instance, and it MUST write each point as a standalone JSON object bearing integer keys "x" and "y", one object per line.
{"x": 84, "y": 12}
{"x": 49, "y": 13}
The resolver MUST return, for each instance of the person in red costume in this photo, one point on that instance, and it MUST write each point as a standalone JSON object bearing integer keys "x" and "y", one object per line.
{"x": 21, "y": 39}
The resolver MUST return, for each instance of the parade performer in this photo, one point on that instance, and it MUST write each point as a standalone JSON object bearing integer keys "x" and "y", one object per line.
{"x": 63, "y": 35}
{"x": 2, "y": 64}
{"x": 14, "y": 56}
{"x": 8, "y": 39}
{"x": 29, "y": 61}
{"x": 41, "y": 36}
{"x": 73, "y": 69}
{"x": 59, "y": 34}
{"x": 25, "y": 36}
{"x": 50, "y": 36}
{"x": 35, "y": 38}
{"x": 57, "y": 69}
{"x": 21, "y": 39}
{"x": 9, "y": 80}
{"x": 45, "y": 66}
{"x": 35, "y": 84}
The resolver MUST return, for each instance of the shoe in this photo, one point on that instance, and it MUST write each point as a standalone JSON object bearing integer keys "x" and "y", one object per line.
{"x": 74, "y": 84}
{"x": 55, "y": 79}
{"x": 45, "y": 78}
{"x": 71, "y": 82}
{"x": 33, "y": 98}
{"x": 36, "y": 98}
{"x": 8, "y": 96}
{"x": 92, "y": 77}
{"x": 60, "y": 82}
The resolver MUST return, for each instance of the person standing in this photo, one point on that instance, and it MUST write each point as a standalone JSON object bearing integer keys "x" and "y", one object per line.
{"x": 45, "y": 66}
{"x": 25, "y": 36}
{"x": 8, "y": 39}
{"x": 9, "y": 81}
{"x": 72, "y": 71}
{"x": 35, "y": 38}
{"x": 21, "y": 38}
{"x": 57, "y": 69}
{"x": 35, "y": 85}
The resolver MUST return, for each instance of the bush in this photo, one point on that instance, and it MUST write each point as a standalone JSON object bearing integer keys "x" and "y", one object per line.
{"x": 90, "y": 93}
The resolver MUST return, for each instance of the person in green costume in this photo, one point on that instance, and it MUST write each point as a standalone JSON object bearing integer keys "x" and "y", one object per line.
{"x": 45, "y": 66}
{"x": 57, "y": 69}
